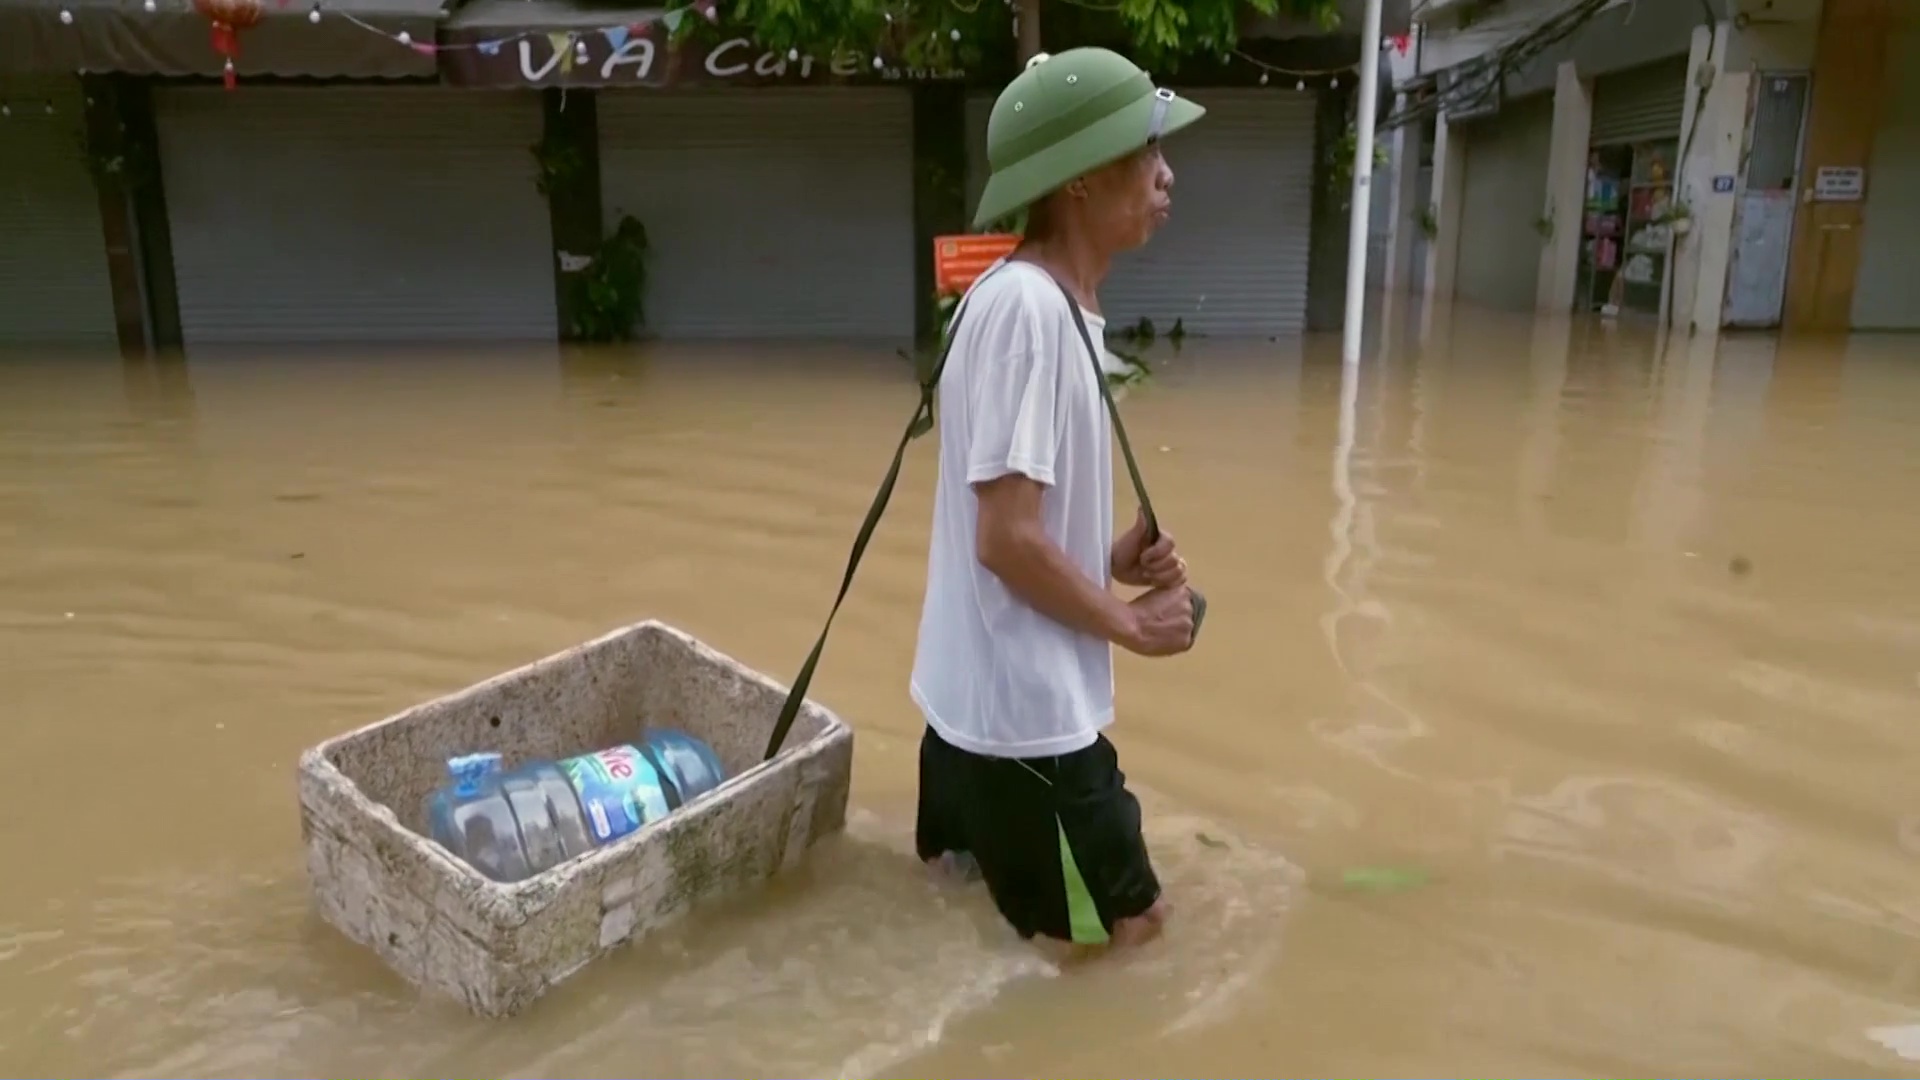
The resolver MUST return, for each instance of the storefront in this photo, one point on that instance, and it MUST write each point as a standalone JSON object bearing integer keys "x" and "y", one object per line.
{"x": 359, "y": 213}
{"x": 777, "y": 192}
{"x": 1502, "y": 204}
{"x": 1627, "y": 235}
{"x": 1232, "y": 261}
{"x": 281, "y": 213}
{"x": 771, "y": 213}
{"x": 54, "y": 285}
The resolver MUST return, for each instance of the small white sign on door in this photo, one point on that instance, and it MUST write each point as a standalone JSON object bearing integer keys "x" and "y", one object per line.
{"x": 1840, "y": 183}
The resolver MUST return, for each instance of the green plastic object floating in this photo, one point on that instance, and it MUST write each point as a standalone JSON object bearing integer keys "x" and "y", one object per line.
{"x": 1384, "y": 878}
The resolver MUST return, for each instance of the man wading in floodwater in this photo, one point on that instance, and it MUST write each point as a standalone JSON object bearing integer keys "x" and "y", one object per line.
{"x": 1014, "y": 668}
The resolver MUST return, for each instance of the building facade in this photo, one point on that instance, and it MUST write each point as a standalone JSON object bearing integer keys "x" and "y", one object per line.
{"x": 1706, "y": 166}
{"x": 398, "y": 171}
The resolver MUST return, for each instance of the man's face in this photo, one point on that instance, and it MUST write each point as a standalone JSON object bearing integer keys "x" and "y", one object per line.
{"x": 1129, "y": 200}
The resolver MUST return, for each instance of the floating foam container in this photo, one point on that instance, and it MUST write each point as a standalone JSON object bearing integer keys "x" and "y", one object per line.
{"x": 499, "y": 947}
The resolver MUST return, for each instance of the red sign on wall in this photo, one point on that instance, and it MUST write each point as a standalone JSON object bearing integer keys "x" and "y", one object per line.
{"x": 957, "y": 260}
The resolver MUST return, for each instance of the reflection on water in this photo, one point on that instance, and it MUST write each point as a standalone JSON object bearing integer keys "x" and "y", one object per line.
{"x": 1612, "y": 638}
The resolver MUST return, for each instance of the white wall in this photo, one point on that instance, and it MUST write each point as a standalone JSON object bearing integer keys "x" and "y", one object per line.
{"x": 1886, "y": 295}
{"x": 1566, "y": 194}
{"x": 1717, "y": 124}
{"x": 1380, "y": 219}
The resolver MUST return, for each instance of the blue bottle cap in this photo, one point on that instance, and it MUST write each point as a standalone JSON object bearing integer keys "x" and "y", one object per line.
{"x": 692, "y": 766}
{"x": 468, "y": 770}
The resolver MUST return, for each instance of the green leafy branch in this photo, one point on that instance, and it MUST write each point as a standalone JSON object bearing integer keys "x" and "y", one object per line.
{"x": 1339, "y": 171}
{"x": 1163, "y": 32}
{"x": 945, "y": 34}
{"x": 557, "y": 161}
{"x": 608, "y": 296}
{"x": 915, "y": 34}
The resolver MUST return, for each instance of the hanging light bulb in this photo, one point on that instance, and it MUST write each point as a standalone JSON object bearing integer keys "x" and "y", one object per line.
{"x": 404, "y": 38}
{"x": 878, "y": 63}
{"x": 954, "y": 33}
{"x": 1335, "y": 83}
{"x": 49, "y": 108}
{"x": 66, "y": 17}
{"x": 6, "y": 110}
{"x": 150, "y": 6}
{"x": 314, "y": 15}
{"x": 1263, "y": 78}
{"x": 1301, "y": 85}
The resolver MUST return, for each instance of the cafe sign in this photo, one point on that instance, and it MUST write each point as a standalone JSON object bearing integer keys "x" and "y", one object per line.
{"x": 642, "y": 56}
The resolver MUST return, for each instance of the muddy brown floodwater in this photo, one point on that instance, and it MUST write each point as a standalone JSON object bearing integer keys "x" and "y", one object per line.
{"x": 1604, "y": 653}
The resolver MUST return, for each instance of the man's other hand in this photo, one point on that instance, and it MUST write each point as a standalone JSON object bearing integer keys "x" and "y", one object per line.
{"x": 1155, "y": 566}
{"x": 1160, "y": 622}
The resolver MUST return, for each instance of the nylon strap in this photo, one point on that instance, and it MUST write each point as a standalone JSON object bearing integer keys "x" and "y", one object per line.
{"x": 1157, "y": 119}
{"x": 922, "y": 423}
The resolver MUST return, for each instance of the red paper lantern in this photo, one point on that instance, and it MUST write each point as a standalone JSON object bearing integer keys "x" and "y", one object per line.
{"x": 228, "y": 17}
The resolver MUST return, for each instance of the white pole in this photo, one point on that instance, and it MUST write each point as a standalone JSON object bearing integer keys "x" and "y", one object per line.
{"x": 1362, "y": 183}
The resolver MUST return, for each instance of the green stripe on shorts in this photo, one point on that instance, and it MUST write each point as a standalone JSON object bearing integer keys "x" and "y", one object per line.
{"x": 1083, "y": 918}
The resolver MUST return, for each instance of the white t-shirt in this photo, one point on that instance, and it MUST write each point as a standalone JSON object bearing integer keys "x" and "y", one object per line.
{"x": 993, "y": 675}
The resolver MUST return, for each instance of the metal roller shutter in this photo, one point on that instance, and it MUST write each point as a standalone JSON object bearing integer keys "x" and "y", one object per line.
{"x": 1639, "y": 104}
{"x": 1232, "y": 261}
{"x": 54, "y": 288}
{"x": 356, "y": 214}
{"x": 1500, "y": 206}
{"x": 772, "y": 213}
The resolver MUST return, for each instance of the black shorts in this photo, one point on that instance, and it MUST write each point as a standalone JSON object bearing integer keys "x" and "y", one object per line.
{"x": 1056, "y": 838}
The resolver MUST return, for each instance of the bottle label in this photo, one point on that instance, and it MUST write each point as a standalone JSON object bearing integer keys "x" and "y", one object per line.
{"x": 620, "y": 790}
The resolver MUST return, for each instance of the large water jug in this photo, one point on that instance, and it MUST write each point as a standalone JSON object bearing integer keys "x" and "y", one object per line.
{"x": 510, "y": 825}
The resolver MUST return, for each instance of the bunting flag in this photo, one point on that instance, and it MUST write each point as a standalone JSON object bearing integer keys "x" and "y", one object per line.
{"x": 616, "y": 34}
{"x": 566, "y": 44}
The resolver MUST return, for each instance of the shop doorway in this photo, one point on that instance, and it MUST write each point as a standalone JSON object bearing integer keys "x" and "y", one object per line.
{"x": 1627, "y": 229}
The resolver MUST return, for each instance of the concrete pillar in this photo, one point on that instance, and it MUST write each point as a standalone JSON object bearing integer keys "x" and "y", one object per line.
{"x": 1714, "y": 125}
{"x": 1403, "y": 206}
{"x": 1566, "y": 188}
{"x": 940, "y": 168}
{"x": 1449, "y": 189}
{"x": 570, "y": 129}
{"x": 1026, "y": 20}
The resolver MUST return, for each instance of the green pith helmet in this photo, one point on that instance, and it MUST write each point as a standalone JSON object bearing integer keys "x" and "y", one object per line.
{"x": 1067, "y": 115}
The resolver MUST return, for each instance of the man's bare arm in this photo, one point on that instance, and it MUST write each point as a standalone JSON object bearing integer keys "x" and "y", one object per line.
{"x": 1013, "y": 543}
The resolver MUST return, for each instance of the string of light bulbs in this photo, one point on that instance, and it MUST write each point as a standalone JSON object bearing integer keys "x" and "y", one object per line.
{"x": 1270, "y": 71}
{"x": 12, "y": 108}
